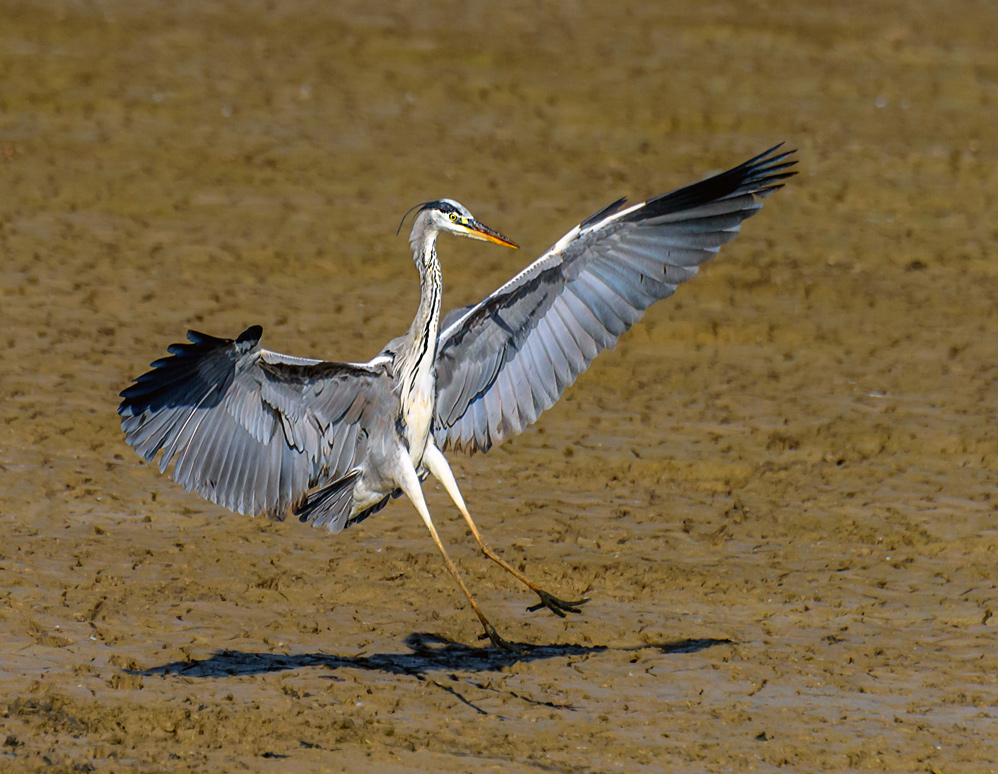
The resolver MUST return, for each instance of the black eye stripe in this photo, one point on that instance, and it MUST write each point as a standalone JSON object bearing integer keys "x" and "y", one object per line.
{"x": 442, "y": 206}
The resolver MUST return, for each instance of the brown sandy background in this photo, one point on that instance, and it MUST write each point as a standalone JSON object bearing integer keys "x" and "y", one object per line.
{"x": 780, "y": 490}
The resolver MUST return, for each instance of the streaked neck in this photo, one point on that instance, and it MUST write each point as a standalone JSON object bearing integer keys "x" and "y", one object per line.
{"x": 417, "y": 357}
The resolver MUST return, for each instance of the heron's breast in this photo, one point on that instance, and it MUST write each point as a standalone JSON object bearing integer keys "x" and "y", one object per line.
{"x": 417, "y": 412}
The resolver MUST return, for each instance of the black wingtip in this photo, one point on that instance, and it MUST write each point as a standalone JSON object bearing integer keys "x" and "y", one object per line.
{"x": 606, "y": 212}
{"x": 759, "y": 176}
{"x": 252, "y": 334}
{"x": 201, "y": 339}
{"x": 177, "y": 377}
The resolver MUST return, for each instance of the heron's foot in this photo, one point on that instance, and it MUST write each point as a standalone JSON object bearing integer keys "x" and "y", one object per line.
{"x": 499, "y": 642}
{"x": 557, "y": 606}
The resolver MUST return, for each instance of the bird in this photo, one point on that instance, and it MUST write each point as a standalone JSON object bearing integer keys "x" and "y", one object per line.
{"x": 333, "y": 443}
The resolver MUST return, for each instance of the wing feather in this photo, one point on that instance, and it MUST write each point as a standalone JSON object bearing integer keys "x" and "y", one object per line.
{"x": 586, "y": 315}
{"x": 537, "y": 365}
{"x": 549, "y": 339}
{"x": 570, "y": 328}
{"x": 250, "y": 429}
{"x": 493, "y": 411}
{"x": 511, "y": 423}
{"x": 516, "y": 351}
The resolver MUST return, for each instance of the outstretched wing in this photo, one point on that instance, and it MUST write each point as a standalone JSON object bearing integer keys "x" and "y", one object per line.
{"x": 250, "y": 429}
{"x": 503, "y": 361}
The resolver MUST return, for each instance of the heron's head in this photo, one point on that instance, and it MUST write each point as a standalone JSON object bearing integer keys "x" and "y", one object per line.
{"x": 453, "y": 217}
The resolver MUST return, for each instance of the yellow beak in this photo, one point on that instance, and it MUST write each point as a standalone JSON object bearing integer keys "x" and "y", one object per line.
{"x": 478, "y": 230}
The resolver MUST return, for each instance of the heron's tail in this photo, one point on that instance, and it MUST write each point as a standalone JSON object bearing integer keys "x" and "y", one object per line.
{"x": 330, "y": 506}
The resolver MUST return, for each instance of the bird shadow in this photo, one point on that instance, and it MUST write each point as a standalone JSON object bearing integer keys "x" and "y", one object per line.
{"x": 428, "y": 653}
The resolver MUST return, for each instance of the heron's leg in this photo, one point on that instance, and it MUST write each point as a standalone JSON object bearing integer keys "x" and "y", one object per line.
{"x": 437, "y": 464}
{"x": 409, "y": 482}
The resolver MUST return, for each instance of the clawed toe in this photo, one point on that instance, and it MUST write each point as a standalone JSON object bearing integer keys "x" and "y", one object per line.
{"x": 499, "y": 642}
{"x": 557, "y": 606}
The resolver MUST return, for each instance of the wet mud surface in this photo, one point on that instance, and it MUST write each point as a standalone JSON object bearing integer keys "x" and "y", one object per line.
{"x": 779, "y": 490}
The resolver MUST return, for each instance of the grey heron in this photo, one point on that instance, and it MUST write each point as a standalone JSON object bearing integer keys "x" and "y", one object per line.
{"x": 264, "y": 433}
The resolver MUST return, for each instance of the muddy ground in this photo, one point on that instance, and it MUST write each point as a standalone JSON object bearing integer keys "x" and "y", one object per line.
{"x": 779, "y": 490}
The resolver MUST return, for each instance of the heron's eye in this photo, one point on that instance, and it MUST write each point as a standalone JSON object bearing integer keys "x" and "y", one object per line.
{"x": 453, "y": 216}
